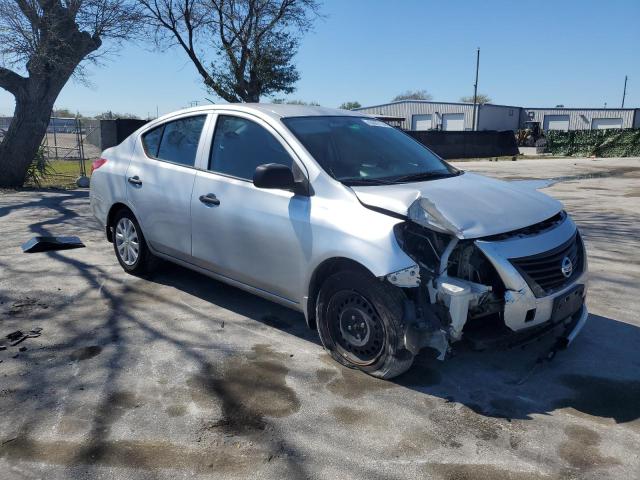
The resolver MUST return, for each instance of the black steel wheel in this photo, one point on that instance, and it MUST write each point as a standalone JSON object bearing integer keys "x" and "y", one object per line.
{"x": 356, "y": 327}
{"x": 360, "y": 323}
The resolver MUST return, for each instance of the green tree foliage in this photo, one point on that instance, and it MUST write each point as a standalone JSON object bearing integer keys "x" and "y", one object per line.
{"x": 242, "y": 49}
{"x": 114, "y": 115}
{"x": 600, "y": 143}
{"x": 481, "y": 99}
{"x": 350, "y": 105}
{"x": 413, "y": 95}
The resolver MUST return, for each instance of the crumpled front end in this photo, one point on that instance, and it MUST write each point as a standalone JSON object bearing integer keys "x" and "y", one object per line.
{"x": 500, "y": 290}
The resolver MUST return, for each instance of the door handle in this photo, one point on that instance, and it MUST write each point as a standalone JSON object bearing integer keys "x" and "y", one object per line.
{"x": 134, "y": 180}
{"x": 209, "y": 199}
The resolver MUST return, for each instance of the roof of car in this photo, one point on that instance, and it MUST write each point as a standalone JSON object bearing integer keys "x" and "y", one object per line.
{"x": 277, "y": 110}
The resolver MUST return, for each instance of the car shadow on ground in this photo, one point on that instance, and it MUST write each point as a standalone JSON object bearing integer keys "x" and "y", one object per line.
{"x": 235, "y": 300}
{"x": 596, "y": 375}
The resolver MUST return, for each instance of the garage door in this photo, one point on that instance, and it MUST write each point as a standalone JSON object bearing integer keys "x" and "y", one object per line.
{"x": 422, "y": 122}
{"x": 556, "y": 122}
{"x": 453, "y": 121}
{"x": 604, "y": 123}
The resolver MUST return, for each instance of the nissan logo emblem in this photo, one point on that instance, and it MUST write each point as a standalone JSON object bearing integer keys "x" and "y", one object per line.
{"x": 567, "y": 267}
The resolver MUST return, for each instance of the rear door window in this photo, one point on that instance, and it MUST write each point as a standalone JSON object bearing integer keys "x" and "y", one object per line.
{"x": 240, "y": 146}
{"x": 180, "y": 140}
{"x": 175, "y": 142}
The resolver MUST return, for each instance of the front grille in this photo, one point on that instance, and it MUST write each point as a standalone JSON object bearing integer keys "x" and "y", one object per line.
{"x": 543, "y": 272}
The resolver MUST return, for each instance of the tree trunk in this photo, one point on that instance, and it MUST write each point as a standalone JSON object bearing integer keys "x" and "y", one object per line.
{"x": 27, "y": 129}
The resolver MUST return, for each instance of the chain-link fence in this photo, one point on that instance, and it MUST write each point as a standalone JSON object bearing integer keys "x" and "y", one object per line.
{"x": 67, "y": 150}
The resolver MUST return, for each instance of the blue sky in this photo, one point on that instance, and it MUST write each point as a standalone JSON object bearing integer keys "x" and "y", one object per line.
{"x": 539, "y": 53}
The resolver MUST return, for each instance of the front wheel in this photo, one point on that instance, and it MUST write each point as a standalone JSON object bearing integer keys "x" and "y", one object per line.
{"x": 360, "y": 324}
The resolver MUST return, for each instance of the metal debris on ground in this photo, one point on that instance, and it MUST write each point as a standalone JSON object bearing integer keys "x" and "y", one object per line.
{"x": 18, "y": 337}
{"x": 14, "y": 335}
{"x": 45, "y": 244}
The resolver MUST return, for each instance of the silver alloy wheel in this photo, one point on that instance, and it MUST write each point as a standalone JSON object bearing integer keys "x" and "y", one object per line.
{"x": 127, "y": 241}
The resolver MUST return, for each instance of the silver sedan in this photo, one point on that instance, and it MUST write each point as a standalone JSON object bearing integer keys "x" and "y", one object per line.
{"x": 383, "y": 246}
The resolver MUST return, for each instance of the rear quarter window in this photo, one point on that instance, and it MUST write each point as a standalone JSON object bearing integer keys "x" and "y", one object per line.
{"x": 175, "y": 142}
{"x": 151, "y": 141}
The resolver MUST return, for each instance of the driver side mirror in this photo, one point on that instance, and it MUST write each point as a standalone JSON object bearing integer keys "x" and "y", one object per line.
{"x": 274, "y": 175}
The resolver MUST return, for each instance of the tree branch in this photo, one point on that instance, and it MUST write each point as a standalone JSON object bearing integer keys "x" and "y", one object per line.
{"x": 11, "y": 81}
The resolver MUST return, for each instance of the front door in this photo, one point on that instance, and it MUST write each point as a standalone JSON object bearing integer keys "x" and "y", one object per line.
{"x": 160, "y": 180}
{"x": 255, "y": 236}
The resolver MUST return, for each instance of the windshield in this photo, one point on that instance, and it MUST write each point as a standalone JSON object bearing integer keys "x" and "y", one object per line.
{"x": 366, "y": 151}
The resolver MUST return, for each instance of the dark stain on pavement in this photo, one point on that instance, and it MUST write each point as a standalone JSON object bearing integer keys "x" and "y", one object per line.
{"x": 350, "y": 416}
{"x": 247, "y": 388}
{"x": 131, "y": 454}
{"x": 349, "y": 383}
{"x": 580, "y": 450}
{"x": 634, "y": 192}
{"x": 466, "y": 471}
{"x": 85, "y": 353}
{"x": 176, "y": 410}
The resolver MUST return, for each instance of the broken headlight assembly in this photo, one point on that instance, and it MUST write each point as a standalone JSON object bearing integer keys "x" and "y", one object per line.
{"x": 456, "y": 287}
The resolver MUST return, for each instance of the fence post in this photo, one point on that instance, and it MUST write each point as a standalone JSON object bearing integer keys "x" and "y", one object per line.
{"x": 55, "y": 139}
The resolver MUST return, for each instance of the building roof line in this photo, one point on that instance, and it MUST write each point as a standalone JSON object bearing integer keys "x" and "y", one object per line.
{"x": 578, "y": 108}
{"x": 434, "y": 103}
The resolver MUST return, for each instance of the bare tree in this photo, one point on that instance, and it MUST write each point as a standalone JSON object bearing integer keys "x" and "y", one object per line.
{"x": 42, "y": 44}
{"x": 413, "y": 95}
{"x": 242, "y": 49}
{"x": 481, "y": 99}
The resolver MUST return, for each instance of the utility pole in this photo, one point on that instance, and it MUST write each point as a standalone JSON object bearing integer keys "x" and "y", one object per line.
{"x": 475, "y": 91}
{"x": 624, "y": 92}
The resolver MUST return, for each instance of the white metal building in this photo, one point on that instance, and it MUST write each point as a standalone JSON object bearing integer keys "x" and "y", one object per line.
{"x": 426, "y": 115}
{"x": 582, "y": 118}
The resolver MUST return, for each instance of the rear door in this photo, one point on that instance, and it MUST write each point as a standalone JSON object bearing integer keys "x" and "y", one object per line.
{"x": 251, "y": 235}
{"x": 160, "y": 181}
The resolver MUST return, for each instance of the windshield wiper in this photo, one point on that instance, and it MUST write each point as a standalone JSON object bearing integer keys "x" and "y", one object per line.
{"x": 417, "y": 177}
{"x": 358, "y": 181}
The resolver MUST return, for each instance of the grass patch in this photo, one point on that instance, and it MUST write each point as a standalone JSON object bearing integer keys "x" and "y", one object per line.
{"x": 64, "y": 174}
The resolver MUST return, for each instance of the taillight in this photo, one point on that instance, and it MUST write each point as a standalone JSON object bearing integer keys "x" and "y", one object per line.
{"x": 97, "y": 164}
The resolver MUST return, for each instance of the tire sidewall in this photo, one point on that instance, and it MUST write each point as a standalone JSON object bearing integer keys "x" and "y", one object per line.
{"x": 138, "y": 266}
{"x": 366, "y": 286}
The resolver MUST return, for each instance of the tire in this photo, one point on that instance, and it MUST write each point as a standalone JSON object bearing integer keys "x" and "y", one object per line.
{"x": 360, "y": 324}
{"x": 134, "y": 256}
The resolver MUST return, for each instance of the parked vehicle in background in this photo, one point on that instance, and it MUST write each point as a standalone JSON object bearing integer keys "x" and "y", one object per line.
{"x": 383, "y": 246}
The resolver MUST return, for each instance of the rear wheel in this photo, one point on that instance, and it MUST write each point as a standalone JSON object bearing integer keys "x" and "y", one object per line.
{"x": 130, "y": 246}
{"x": 360, "y": 324}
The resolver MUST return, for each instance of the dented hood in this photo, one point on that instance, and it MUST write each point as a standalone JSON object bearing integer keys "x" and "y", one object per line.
{"x": 467, "y": 205}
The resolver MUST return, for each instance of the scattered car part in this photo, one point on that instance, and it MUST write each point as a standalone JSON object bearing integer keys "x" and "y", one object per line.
{"x": 45, "y": 244}
{"x": 14, "y": 335}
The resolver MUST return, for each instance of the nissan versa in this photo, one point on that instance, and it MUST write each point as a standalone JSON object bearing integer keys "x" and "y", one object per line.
{"x": 384, "y": 247}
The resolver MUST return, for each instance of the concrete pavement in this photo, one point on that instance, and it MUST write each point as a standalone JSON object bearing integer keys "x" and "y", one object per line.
{"x": 180, "y": 376}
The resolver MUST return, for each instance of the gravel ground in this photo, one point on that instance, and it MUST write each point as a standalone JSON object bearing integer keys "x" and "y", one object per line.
{"x": 180, "y": 376}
